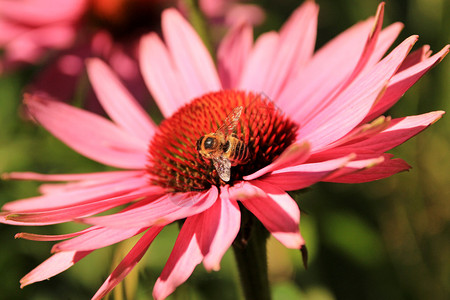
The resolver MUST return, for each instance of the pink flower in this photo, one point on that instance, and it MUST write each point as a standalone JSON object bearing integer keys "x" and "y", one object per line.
{"x": 318, "y": 131}
{"x": 61, "y": 37}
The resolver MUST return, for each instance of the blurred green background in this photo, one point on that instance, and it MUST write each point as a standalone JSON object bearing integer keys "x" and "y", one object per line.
{"x": 388, "y": 239}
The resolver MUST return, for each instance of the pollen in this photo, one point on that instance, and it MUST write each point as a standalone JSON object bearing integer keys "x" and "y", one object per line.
{"x": 174, "y": 160}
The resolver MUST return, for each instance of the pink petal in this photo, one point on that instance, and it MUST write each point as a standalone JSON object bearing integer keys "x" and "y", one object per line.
{"x": 358, "y": 165}
{"x": 233, "y": 53}
{"x": 415, "y": 57}
{"x": 47, "y": 238}
{"x": 79, "y": 195}
{"x": 117, "y": 101}
{"x": 385, "y": 169}
{"x": 190, "y": 55}
{"x": 351, "y": 106}
{"x": 162, "y": 211}
{"x": 38, "y": 12}
{"x": 295, "y": 154}
{"x": 302, "y": 176}
{"x": 398, "y": 132}
{"x": 361, "y": 132}
{"x": 66, "y": 214}
{"x": 258, "y": 64}
{"x": 88, "y": 133}
{"x": 221, "y": 224}
{"x": 128, "y": 263}
{"x": 98, "y": 176}
{"x": 56, "y": 264}
{"x": 402, "y": 81}
{"x": 161, "y": 76}
{"x": 274, "y": 208}
{"x": 295, "y": 47}
{"x": 96, "y": 238}
{"x": 186, "y": 254}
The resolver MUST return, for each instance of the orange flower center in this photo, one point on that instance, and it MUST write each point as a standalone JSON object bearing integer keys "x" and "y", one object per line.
{"x": 181, "y": 160}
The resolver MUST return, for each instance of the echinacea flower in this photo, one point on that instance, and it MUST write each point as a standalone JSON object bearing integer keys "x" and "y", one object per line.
{"x": 307, "y": 117}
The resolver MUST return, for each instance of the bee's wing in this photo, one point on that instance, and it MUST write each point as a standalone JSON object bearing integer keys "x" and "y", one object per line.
{"x": 229, "y": 125}
{"x": 223, "y": 166}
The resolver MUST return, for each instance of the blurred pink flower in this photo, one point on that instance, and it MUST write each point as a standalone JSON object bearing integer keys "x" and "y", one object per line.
{"x": 320, "y": 132}
{"x": 61, "y": 36}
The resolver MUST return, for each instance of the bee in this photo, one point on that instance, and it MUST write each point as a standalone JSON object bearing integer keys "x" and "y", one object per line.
{"x": 223, "y": 147}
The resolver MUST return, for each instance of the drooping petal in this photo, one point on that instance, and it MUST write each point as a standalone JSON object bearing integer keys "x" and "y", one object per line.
{"x": 233, "y": 53}
{"x": 302, "y": 176}
{"x": 276, "y": 210}
{"x": 54, "y": 265}
{"x": 47, "y": 238}
{"x": 96, "y": 238}
{"x": 117, "y": 101}
{"x": 79, "y": 195}
{"x": 190, "y": 55}
{"x": 402, "y": 81}
{"x": 385, "y": 169}
{"x": 351, "y": 106}
{"x": 66, "y": 214}
{"x": 128, "y": 263}
{"x": 89, "y": 134}
{"x": 159, "y": 212}
{"x": 97, "y": 176}
{"x": 357, "y": 165}
{"x": 295, "y": 154}
{"x": 399, "y": 131}
{"x": 221, "y": 224}
{"x": 185, "y": 256}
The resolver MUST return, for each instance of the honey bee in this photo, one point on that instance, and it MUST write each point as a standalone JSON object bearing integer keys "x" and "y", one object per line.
{"x": 223, "y": 147}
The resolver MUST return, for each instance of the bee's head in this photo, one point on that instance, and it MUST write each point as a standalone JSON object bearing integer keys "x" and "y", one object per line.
{"x": 206, "y": 144}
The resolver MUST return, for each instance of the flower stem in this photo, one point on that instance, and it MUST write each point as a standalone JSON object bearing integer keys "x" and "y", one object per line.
{"x": 251, "y": 258}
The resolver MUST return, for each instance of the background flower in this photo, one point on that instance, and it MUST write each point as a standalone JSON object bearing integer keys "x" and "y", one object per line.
{"x": 333, "y": 226}
{"x": 58, "y": 38}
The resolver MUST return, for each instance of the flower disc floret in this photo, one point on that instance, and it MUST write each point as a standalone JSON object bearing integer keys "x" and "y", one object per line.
{"x": 175, "y": 163}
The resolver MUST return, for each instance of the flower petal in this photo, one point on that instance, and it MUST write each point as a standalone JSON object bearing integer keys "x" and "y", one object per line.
{"x": 295, "y": 47}
{"x": 106, "y": 144}
{"x": 128, "y": 263}
{"x": 350, "y": 107}
{"x": 40, "y": 12}
{"x": 117, "y": 101}
{"x": 233, "y": 53}
{"x": 185, "y": 256}
{"x": 257, "y": 67}
{"x": 385, "y": 169}
{"x": 54, "y": 265}
{"x": 160, "y": 75}
{"x": 97, "y": 237}
{"x": 113, "y": 188}
{"x": 302, "y": 176}
{"x": 162, "y": 211}
{"x": 399, "y": 131}
{"x": 47, "y": 238}
{"x": 276, "y": 210}
{"x": 295, "y": 154}
{"x": 190, "y": 55}
{"x": 66, "y": 214}
{"x": 221, "y": 224}
{"x": 402, "y": 81}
